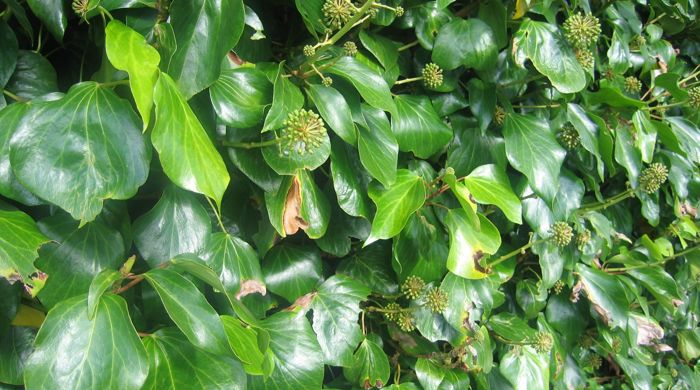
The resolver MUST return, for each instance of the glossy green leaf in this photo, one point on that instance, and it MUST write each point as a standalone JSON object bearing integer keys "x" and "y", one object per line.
{"x": 396, "y": 205}
{"x": 465, "y": 42}
{"x": 490, "y": 185}
{"x": 99, "y": 285}
{"x": 77, "y": 151}
{"x": 190, "y": 311}
{"x": 378, "y": 147}
{"x": 371, "y": 266}
{"x": 587, "y": 130}
{"x": 297, "y": 357}
{"x": 370, "y": 367}
{"x": 336, "y": 307}
{"x": 334, "y": 110}
{"x": 532, "y": 149}
{"x": 310, "y": 10}
{"x": 244, "y": 342}
{"x": 349, "y": 180}
{"x": 292, "y": 271}
{"x": 418, "y": 128}
{"x": 688, "y": 136}
{"x": 545, "y": 46}
{"x": 661, "y": 285}
{"x": 470, "y": 245}
{"x": 236, "y": 263}
{"x": 205, "y": 31}
{"x": 18, "y": 249}
{"x": 627, "y": 155}
{"x": 524, "y": 368}
{"x": 10, "y": 187}
{"x": 420, "y": 249}
{"x": 62, "y": 360}
{"x": 286, "y": 97}
{"x": 8, "y": 48}
{"x": 52, "y": 14}
{"x": 288, "y": 160}
{"x": 16, "y": 345}
{"x": 240, "y": 96}
{"x": 370, "y": 85}
{"x": 186, "y": 153}
{"x": 128, "y": 50}
{"x": 433, "y": 375}
{"x": 34, "y": 76}
{"x": 315, "y": 209}
{"x": 606, "y": 294}
{"x": 177, "y": 224}
{"x": 174, "y": 362}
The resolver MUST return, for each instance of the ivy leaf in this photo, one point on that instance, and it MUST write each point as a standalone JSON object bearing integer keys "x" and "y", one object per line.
{"x": 240, "y": 96}
{"x": 34, "y": 76}
{"x": 205, "y": 31}
{"x": 469, "y": 244}
{"x": 420, "y": 249}
{"x": 175, "y": 363}
{"x": 349, "y": 180}
{"x": 334, "y": 109}
{"x": 287, "y": 162}
{"x": 465, "y": 42}
{"x": 52, "y": 14}
{"x": 16, "y": 344}
{"x": 128, "y": 50}
{"x": 369, "y": 84}
{"x": 99, "y": 285}
{"x": 177, "y": 224}
{"x": 418, "y": 128}
{"x": 190, "y": 311}
{"x": 298, "y": 204}
{"x": 688, "y": 136}
{"x": 606, "y": 294}
{"x": 10, "y": 187}
{"x": 489, "y": 185}
{"x": 244, "y": 342}
{"x": 587, "y": 130}
{"x": 286, "y": 97}
{"x": 371, "y": 265}
{"x": 379, "y": 151}
{"x": 396, "y": 205}
{"x": 292, "y": 271}
{"x": 544, "y": 45}
{"x": 336, "y": 307}
{"x": 524, "y": 368}
{"x": 310, "y": 11}
{"x": 236, "y": 263}
{"x": 81, "y": 255}
{"x": 627, "y": 155}
{"x": 532, "y": 149}
{"x": 18, "y": 249}
{"x": 62, "y": 360}
{"x": 186, "y": 153}
{"x": 370, "y": 366}
{"x": 8, "y": 48}
{"x": 433, "y": 375}
{"x": 77, "y": 151}
{"x": 297, "y": 357}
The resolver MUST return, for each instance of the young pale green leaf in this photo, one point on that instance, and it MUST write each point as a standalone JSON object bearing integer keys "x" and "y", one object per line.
{"x": 418, "y": 128}
{"x": 297, "y": 357}
{"x": 334, "y": 109}
{"x": 175, "y": 363}
{"x": 465, "y": 42}
{"x": 190, "y": 311}
{"x": 52, "y": 14}
{"x": 236, "y": 263}
{"x": 244, "y": 342}
{"x": 240, "y": 96}
{"x": 90, "y": 361}
{"x": 177, "y": 224}
{"x": 606, "y": 294}
{"x": 186, "y": 153}
{"x": 336, "y": 307}
{"x": 77, "y": 151}
{"x": 470, "y": 244}
{"x": 379, "y": 151}
{"x": 205, "y": 31}
{"x": 350, "y": 180}
{"x": 524, "y": 368}
{"x": 128, "y": 50}
{"x": 16, "y": 344}
{"x": 482, "y": 294}
{"x": 544, "y": 45}
{"x": 292, "y": 271}
{"x": 490, "y": 185}
{"x": 99, "y": 285}
{"x": 396, "y": 205}
{"x": 18, "y": 249}
{"x": 532, "y": 149}
{"x": 433, "y": 375}
{"x": 286, "y": 97}
{"x": 370, "y": 366}
{"x": 369, "y": 84}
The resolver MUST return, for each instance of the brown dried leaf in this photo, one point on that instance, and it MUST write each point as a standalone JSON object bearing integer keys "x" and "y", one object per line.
{"x": 249, "y": 287}
{"x": 291, "y": 218}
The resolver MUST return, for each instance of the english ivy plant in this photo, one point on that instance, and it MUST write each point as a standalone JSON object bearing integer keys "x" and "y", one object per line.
{"x": 314, "y": 194}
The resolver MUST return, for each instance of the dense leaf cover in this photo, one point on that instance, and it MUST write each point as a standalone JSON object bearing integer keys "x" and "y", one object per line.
{"x": 308, "y": 194}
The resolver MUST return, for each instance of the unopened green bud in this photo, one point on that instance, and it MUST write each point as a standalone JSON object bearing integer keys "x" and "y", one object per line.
{"x": 432, "y": 75}
{"x": 632, "y": 84}
{"x": 561, "y": 233}
{"x": 327, "y": 81}
{"x": 583, "y": 238}
{"x": 412, "y": 287}
{"x": 585, "y": 57}
{"x": 399, "y": 11}
{"x": 558, "y": 287}
{"x": 393, "y": 310}
{"x": 582, "y": 30}
{"x": 653, "y": 177}
{"x": 437, "y": 299}
{"x": 595, "y": 361}
{"x": 80, "y": 7}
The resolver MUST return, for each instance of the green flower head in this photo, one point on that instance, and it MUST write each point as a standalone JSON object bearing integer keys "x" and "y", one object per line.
{"x": 337, "y": 12}
{"x": 561, "y": 233}
{"x": 653, "y": 177}
{"x": 304, "y": 131}
{"x": 350, "y": 48}
{"x": 543, "y": 342}
{"x": 582, "y": 30}
{"x": 632, "y": 84}
{"x": 437, "y": 299}
{"x": 694, "y": 97}
{"x": 569, "y": 137}
{"x": 585, "y": 57}
{"x": 412, "y": 287}
{"x": 432, "y": 75}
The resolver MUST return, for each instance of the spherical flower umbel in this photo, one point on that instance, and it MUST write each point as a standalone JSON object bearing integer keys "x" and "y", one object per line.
{"x": 653, "y": 177}
{"x": 432, "y": 75}
{"x": 632, "y": 84}
{"x": 582, "y": 30}
{"x": 309, "y": 51}
{"x": 412, "y": 287}
{"x": 543, "y": 342}
{"x": 399, "y": 11}
{"x": 437, "y": 299}
{"x": 694, "y": 97}
{"x": 327, "y": 81}
{"x": 499, "y": 115}
{"x": 569, "y": 137}
{"x": 558, "y": 287}
{"x": 80, "y": 7}
{"x": 393, "y": 311}
{"x": 304, "y": 131}
{"x": 583, "y": 238}
{"x": 585, "y": 57}
{"x": 350, "y": 48}
{"x": 405, "y": 321}
{"x": 561, "y": 233}
{"x": 595, "y": 361}
{"x": 337, "y": 12}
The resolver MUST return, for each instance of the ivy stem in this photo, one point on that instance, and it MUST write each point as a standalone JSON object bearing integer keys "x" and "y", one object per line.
{"x": 507, "y": 256}
{"x": 607, "y": 203}
{"x": 135, "y": 279}
{"x": 250, "y": 145}
{"x": 382, "y": 310}
{"x": 410, "y": 80}
{"x": 351, "y": 23}
{"x": 13, "y": 96}
{"x": 143, "y": 334}
{"x": 114, "y": 83}
{"x": 660, "y": 262}
{"x": 218, "y": 215}
{"x": 664, "y": 106}
{"x": 555, "y": 105}
{"x": 408, "y": 45}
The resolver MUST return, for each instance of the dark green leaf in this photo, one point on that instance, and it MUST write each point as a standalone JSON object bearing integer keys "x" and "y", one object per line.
{"x": 377, "y": 145}
{"x": 433, "y": 375}
{"x": 418, "y": 128}
{"x": 420, "y": 248}
{"x": 286, "y": 97}
{"x": 349, "y": 180}
{"x": 236, "y": 263}
{"x": 371, "y": 265}
{"x": 292, "y": 271}
{"x": 370, "y": 367}
{"x": 34, "y": 76}
{"x": 15, "y": 347}
{"x": 240, "y": 96}
{"x": 370, "y": 85}
{"x": 606, "y": 294}
{"x": 8, "y": 48}
{"x": 465, "y": 42}
{"x": 99, "y": 285}
{"x": 334, "y": 110}
{"x": 396, "y": 205}
{"x": 52, "y": 14}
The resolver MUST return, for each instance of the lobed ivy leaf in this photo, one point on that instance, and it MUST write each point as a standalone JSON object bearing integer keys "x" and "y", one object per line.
{"x": 370, "y": 367}
{"x": 236, "y": 263}
{"x": 18, "y": 249}
{"x": 490, "y": 185}
{"x": 465, "y": 42}
{"x": 396, "y": 205}
{"x": 369, "y": 84}
{"x": 418, "y": 128}
{"x": 470, "y": 244}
